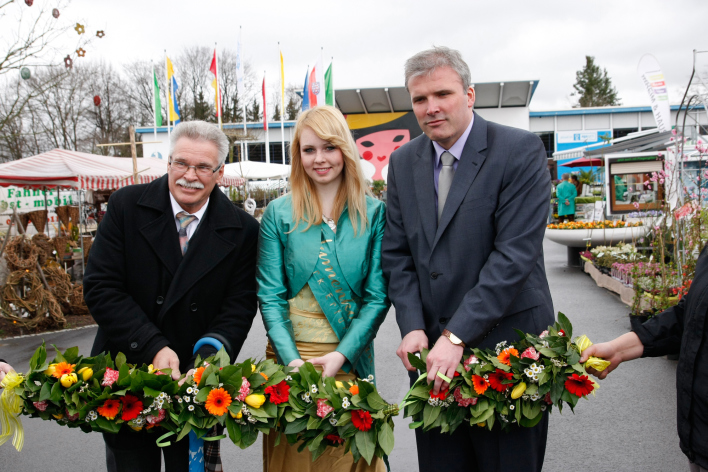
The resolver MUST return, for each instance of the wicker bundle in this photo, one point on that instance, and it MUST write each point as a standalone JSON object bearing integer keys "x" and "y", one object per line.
{"x": 60, "y": 285}
{"x": 38, "y": 219}
{"x": 76, "y": 300}
{"x": 22, "y": 254}
{"x": 46, "y": 247}
{"x": 36, "y": 308}
{"x": 88, "y": 241}
{"x": 74, "y": 215}
{"x": 60, "y": 243}
{"x": 63, "y": 215}
{"x": 24, "y": 219}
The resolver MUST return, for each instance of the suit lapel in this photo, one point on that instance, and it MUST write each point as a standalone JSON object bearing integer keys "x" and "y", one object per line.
{"x": 470, "y": 163}
{"x": 425, "y": 188}
{"x": 161, "y": 232}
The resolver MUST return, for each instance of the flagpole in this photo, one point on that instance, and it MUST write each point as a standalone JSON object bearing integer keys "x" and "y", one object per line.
{"x": 218, "y": 88}
{"x": 168, "y": 92}
{"x": 245, "y": 131}
{"x": 282, "y": 103}
{"x": 154, "y": 102}
{"x": 265, "y": 122}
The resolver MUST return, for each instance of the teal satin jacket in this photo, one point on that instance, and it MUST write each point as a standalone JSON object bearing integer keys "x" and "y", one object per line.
{"x": 286, "y": 261}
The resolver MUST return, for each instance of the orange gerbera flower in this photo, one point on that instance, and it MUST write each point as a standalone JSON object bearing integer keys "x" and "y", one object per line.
{"x": 110, "y": 409}
{"x": 480, "y": 384}
{"x": 63, "y": 368}
{"x": 506, "y": 353}
{"x": 198, "y": 375}
{"x": 264, "y": 375}
{"x": 218, "y": 401}
{"x": 354, "y": 390}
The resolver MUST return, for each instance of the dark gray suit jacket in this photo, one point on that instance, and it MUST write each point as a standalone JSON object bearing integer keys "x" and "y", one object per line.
{"x": 478, "y": 272}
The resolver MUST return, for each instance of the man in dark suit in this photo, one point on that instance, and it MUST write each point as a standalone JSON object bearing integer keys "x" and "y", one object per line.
{"x": 466, "y": 214}
{"x": 173, "y": 262}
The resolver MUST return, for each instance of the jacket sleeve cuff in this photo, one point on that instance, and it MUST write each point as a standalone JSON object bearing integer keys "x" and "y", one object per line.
{"x": 283, "y": 344}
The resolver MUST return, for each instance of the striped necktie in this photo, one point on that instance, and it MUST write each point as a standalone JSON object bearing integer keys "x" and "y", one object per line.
{"x": 184, "y": 220}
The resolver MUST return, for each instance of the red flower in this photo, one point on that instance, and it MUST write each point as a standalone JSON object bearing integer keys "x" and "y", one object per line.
{"x": 132, "y": 406}
{"x": 362, "y": 420}
{"x": 334, "y": 438}
{"x": 579, "y": 385}
{"x": 279, "y": 393}
{"x": 440, "y": 396}
{"x": 496, "y": 379}
{"x": 547, "y": 398}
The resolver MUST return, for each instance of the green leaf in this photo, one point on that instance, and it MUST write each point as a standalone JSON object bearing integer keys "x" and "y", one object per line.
{"x": 573, "y": 357}
{"x": 548, "y": 352}
{"x": 417, "y": 362}
{"x": 56, "y": 394}
{"x": 415, "y": 425}
{"x": 233, "y": 429}
{"x": 71, "y": 354}
{"x": 499, "y": 365}
{"x": 58, "y": 357}
{"x": 414, "y": 408}
{"x": 314, "y": 422}
{"x": 185, "y": 430}
{"x": 430, "y": 414}
{"x": 151, "y": 392}
{"x": 296, "y": 426}
{"x": 203, "y": 394}
{"x": 565, "y": 325}
{"x": 108, "y": 426}
{"x": 124, "y": 375}
{"x": 120, "y": 360}
{"x": 249, "y": 435}
{"x": 46, "y": 391}
{"x": 557, "y": 390}
{"x": 222, "y": 358}
{"x": 531, "y": 409}
{"x": 375, "y": 401}
{"x": 386, "y": 438}
{"x": 366, "y": 444}
{"x": 527, "y": 423}
{"x": 38, "y": 358}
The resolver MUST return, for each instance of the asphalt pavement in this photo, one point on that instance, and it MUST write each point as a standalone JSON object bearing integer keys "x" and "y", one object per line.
{"x": 630, "y": 425}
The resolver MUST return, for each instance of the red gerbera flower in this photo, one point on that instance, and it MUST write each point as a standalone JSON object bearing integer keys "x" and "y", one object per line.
{"x": 132, "y": 406}
{"x": 480, "y": 384}
{"x": 362, "y": 420}
{"x": 334, "y": 438}
{"x": 579, "y": 385}
{"x": 440, "y": 396}
{"x": 109, "y": 409}
{"x": 279, "y": 393}
{"x": 496, "y": 379}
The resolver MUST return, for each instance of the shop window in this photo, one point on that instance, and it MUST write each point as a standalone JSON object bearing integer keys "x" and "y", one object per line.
{"x": 627, "y": 191}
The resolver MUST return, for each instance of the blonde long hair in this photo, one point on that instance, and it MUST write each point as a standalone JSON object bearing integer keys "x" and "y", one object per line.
{"x": 329, "y": 124}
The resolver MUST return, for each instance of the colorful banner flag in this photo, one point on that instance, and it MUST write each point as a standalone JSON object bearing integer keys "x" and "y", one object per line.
{"x": 282, "y": 84}
{"x": 305, "y": 95}
{"x": 158, "y": 102}
{"x": 174, "y": 107}
{"x": 215, "y": 84}
{"x": 316, "y": 85}
{"x": 265, "y": 112}
{"x": 329, "y": 87}
{"x": 652, "y": 78}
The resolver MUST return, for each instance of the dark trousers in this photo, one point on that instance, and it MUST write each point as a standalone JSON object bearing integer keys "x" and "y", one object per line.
{"x": 475, "y": 449}
{"x": 138, "y": 452}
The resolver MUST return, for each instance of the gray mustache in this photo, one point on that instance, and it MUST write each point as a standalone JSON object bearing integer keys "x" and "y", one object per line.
{"x": 185, "y": 183}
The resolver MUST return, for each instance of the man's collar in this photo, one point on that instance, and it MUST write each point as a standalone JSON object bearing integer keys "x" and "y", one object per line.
{"x": 176, "y": 208}
{"x": 455, "y": 149}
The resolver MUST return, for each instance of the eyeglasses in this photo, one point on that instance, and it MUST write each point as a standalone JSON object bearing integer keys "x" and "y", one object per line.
{"x": 182, "y": 168}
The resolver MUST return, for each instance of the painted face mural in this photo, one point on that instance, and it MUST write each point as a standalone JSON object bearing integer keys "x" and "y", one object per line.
{"x": 375, "y": 148}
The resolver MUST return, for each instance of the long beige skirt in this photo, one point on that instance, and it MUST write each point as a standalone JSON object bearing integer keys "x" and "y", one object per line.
{"x": 285, "y": 457}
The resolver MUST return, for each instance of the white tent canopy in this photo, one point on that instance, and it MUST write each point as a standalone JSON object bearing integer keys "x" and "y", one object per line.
{"x": 253, "y": 170}
{"x": 80, "y": 170}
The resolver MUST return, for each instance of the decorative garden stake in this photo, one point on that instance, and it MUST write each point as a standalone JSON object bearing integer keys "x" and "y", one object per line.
{"x": 100, "y": 33}
{"x": 79, "y": 28}
{"x": 80, "y": 52}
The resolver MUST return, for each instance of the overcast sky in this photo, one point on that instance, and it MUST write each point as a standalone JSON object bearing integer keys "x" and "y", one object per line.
{"x": 370, "y": 40}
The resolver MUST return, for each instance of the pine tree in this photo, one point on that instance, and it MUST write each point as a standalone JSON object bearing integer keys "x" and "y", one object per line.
{"x": 594, "y": 87}
{"x": 292, "y": 108}
{"x": 276, "y": 115}
{"x": 253, "y": 114}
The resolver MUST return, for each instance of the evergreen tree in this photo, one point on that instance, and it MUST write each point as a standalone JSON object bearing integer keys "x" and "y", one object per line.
{"x": 292, "y": 108}
{"x": 276, "y": 115}
{"x": 253, "y": 114}
{"x": 594, "y": 87}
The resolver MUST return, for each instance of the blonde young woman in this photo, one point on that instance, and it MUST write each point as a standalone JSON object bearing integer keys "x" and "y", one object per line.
{"x": 321, "y": 289}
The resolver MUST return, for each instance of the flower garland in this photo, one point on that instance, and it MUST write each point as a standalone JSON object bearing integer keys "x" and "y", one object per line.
{"x": 508, "y": 385}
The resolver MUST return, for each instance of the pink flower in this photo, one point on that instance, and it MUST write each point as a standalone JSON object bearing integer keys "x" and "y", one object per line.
{"x": 156, "y": 419}
{"x": 323, "y": 409}
{"x": 109, "y": 377}
{"x": 71, "y": 417}
{"x": 530, "y": 353}
{"x": 469, "y": 361}
{"x": 463, "y": 402}
{"x": 244, "y": 390}
{"x": 41, "y": 406}
{"x": 544, "y": 334}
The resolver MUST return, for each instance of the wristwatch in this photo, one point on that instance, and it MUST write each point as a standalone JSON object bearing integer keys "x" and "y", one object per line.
{"x": 453, "y": 339}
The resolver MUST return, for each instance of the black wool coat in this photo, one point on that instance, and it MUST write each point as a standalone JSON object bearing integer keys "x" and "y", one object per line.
{"x": 145, "y": 295}
{"x": 682, "y": 330}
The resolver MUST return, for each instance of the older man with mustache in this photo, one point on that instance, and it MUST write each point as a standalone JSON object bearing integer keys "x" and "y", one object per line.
{"x": 173, "y": 263}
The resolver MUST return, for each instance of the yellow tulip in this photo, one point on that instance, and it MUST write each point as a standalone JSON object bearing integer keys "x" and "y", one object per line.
{"x": 339, "y": 384}
{"x": 135, "y": 428}
{"x": 518, "y": 390}
{"x": 86, "y": 373}
{"x": 50, "y": 370}
{"x": 59, "y": 416}
{"x": 255, "y": 400}
{"x": 151, "y": 370}
{"x": 253, "y": 368}
{"x": 482, "y": 424}
{"x": 597, "y": 363}
{"x": 236, "y": 415}
{"x": 583, "y": 343}
{"x": 67, "y": 380}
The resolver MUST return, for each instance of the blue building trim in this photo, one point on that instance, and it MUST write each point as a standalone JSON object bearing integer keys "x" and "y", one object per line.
{"x": 273, "y": 125}
{"x": 599, "y": 111}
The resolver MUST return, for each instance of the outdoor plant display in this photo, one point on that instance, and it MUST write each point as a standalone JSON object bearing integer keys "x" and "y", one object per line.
{"x": 593, "y": 225}
{"x": 513, "y": 384}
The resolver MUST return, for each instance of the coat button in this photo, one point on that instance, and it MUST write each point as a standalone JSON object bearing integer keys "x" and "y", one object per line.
{"x": 160, "y": 300}
{"x": 443, "y": 320}
{"x": 434, "y": 275}
{"x": 193, "y": 307}
{"x": 133, "y": 345}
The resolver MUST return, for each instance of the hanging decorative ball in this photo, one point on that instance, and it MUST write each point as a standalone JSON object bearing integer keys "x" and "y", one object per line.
{"x": 80, "y": 52}
{"x": 25, "y": 73}
{"x": 97, "y": 100}
{"x": 100, "y": 33}
{"x": 79, "y": 28}
{"x": 55, "y": 13}
{"x": 29, "y": 2}
{"x": 68, "y": 62}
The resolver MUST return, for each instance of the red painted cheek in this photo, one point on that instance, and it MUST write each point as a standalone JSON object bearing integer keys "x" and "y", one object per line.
{"x": 368, "y": 155}
{"x": 381, "y": 158}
